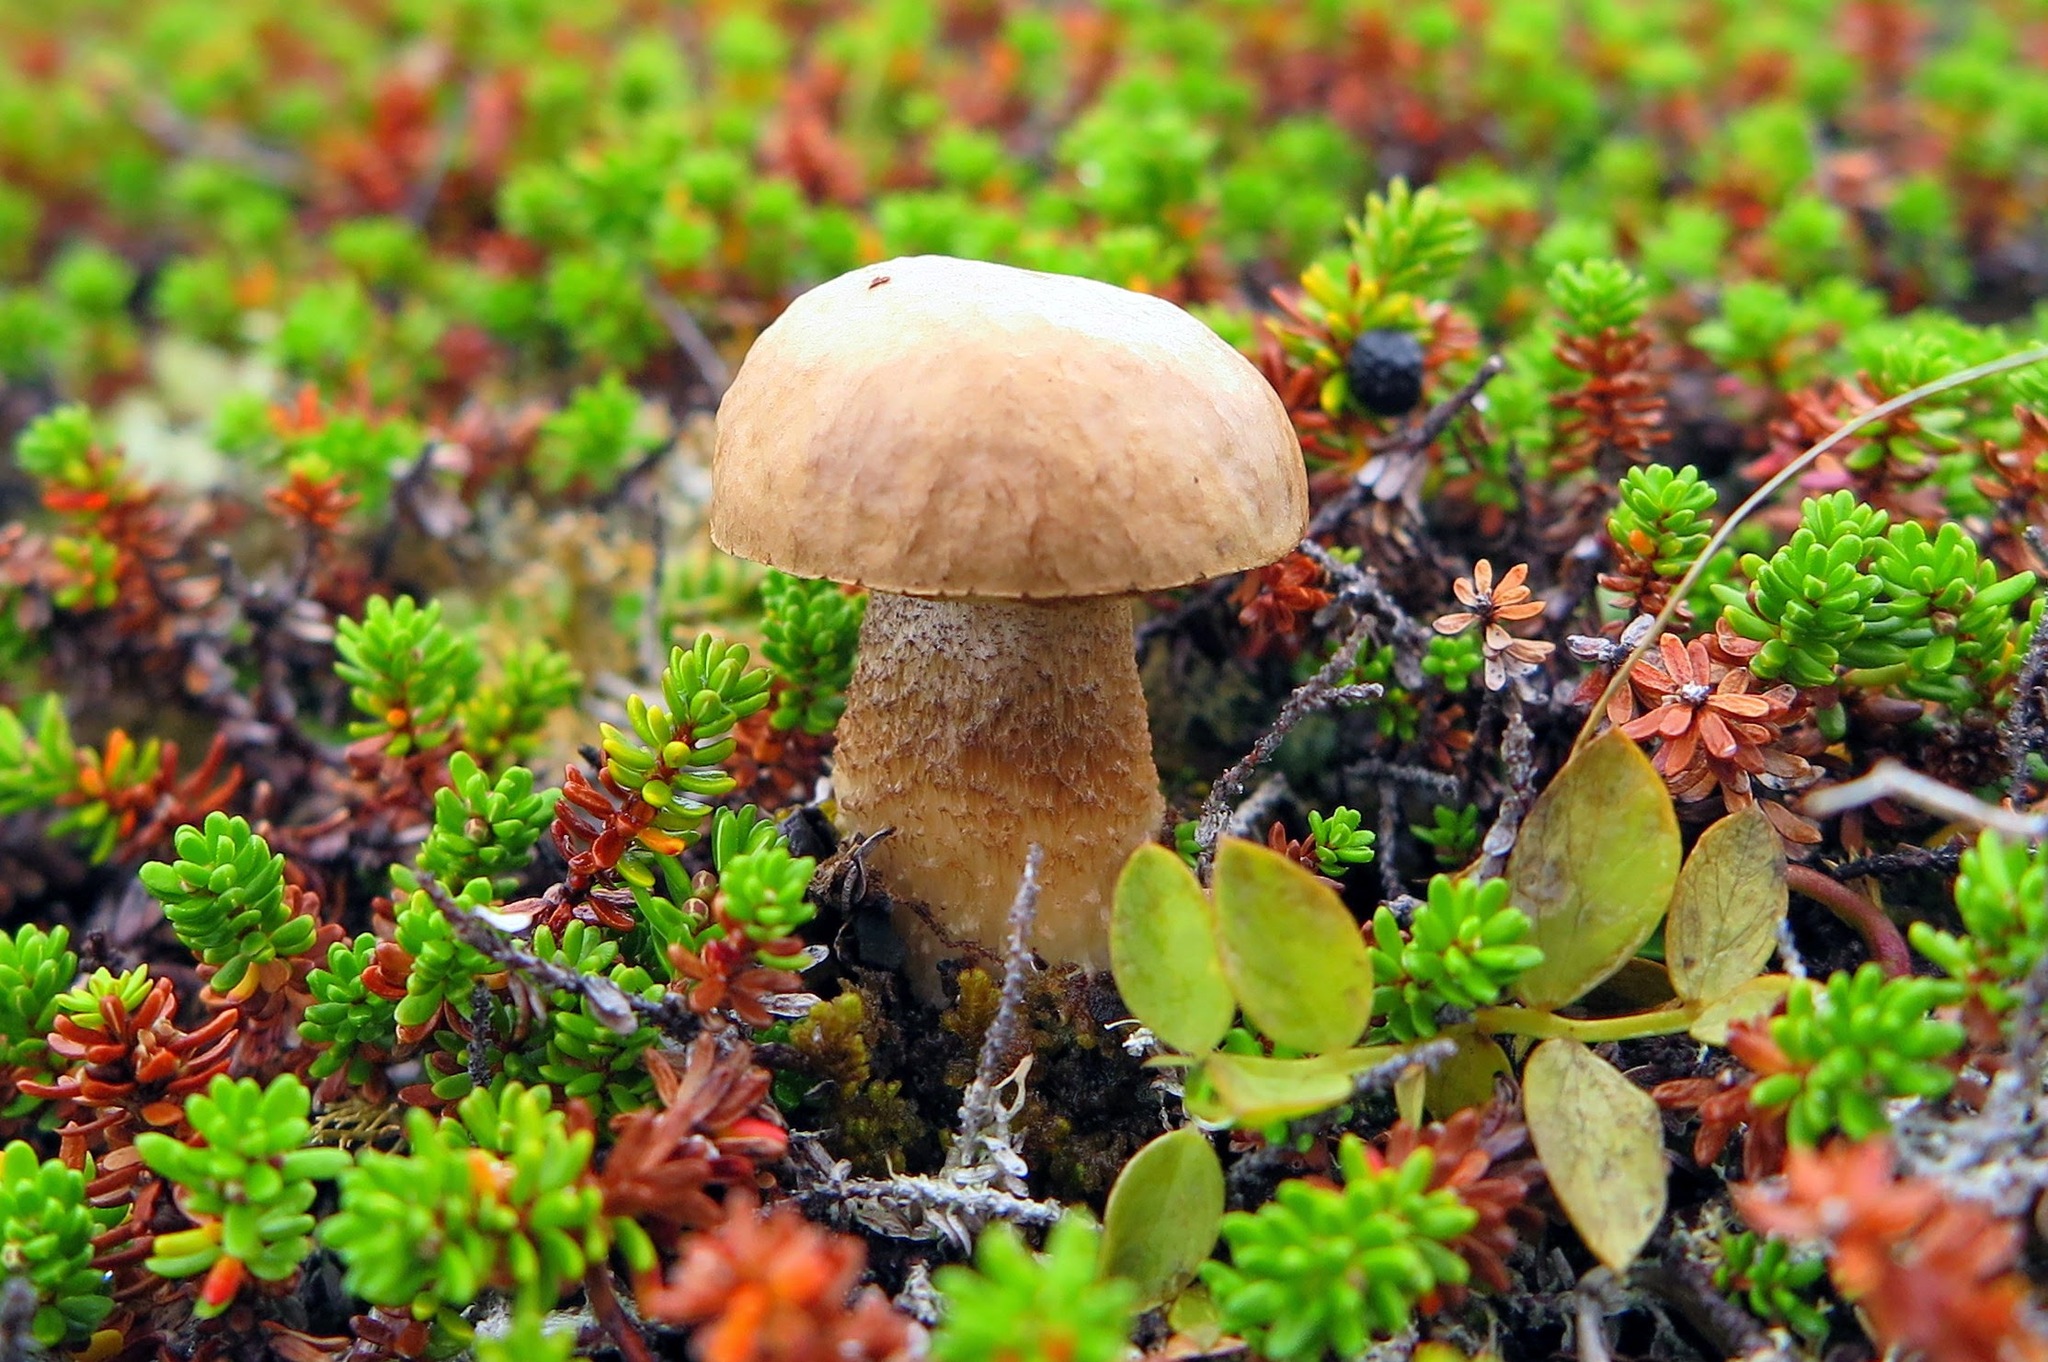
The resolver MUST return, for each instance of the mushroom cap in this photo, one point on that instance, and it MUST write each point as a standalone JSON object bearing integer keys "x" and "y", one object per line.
{"x": 939, "y": 427}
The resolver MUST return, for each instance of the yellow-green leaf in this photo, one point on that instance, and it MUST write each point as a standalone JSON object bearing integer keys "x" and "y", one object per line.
{"x": 1727, "y": 907}
{"x": 1256, "y": 1089}
{"x": 1291, "y": 951}
{"x": 1164, "y": 1214}
{"x": 1162, "y": 947}
{"x": 1409, "y": 1091}
{"x": 1747, "y": 1001}
{"x": 1465, "y": 1079}
{"x": 1593, "y": 868}
{"x": 1601, "y": 1140}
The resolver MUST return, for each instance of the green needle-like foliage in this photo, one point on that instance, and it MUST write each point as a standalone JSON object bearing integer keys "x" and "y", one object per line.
{"x": 764, "y": 890}
{"x": 1340, "y": 842}
{"x": 580, "y": 1054}
{"x": 672, "y": 754}
{"x": 594, "y": 438}
{"x": 1812, "y": 599}
{"x": 1777, "y": 1284}
{"x": 1854, "y": 1044}
{"x": 35, "y": 968}
{"x": 495, "y": 1196}
{"x": 247, "y": 1179}
{"x": 1598, "y": 295}
{"x": 485, "y": 829}
{"x": 1455, "y": 659}
{"x": 1463, "y": 949}
{"x": 38, "y": 760}
{"x": 1454, "y": 833}
{"x": 1322, "y": 1270}
{"x": 808, "y": 635}
{"x": 445, "y": 968}
{"x": 1662, "y": 517}
{"x": 346, "y": 1014}
{"x": 499, "y": 722}
{"x": 224, "y": 897}
{"x": 1412, "y": 241}
{"x": 1014, "y": 1305}
{"x": 406, "y": 671}
{"x": 46, "y": 1233}
{"x": 82, "y": 1004}
{"x": 2002, "y": 897}
{"x": 1952, "y": 613}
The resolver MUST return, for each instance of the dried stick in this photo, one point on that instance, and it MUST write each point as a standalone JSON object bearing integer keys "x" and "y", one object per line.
{"x": 1338, "y": 509}
{"x": 1320, "y": 691}
{"x": 977, "y": 1106}
{"x": 690, "y": 339}
{"x": 1891, "y": 780}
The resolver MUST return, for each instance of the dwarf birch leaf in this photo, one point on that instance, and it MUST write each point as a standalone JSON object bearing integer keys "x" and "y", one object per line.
{"x": 1602, "y": 1144}
{"x": 1256, "y": 1089}
{"x": 1726, "y": 910}
{"x": 1164, "y": 1214}
{"x": 1162, "y": 947}
{"x": 1593, "y": 868}
{"x": 1747, "y": 1001}
{"x": 1294, "y": 957}
{"x": 1466, "y": 1078}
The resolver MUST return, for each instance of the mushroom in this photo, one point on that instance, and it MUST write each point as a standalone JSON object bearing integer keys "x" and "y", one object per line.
{"x": 1002, "y": 457}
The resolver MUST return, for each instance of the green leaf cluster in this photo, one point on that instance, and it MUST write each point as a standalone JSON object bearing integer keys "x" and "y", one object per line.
{"x": 224, "y": 897}
{"x": 672, "y": 752}
{"x": 1811, "y": 600}
{"x": 1464, "y": 948}
{"x": 445, "y": 968}
{"x": 247, "y": 1178}
{"x": 1855, "y": 1043}
{"x": 593, "y": 438}
{"x": 485, "y": 829}
{"x": 1665, "y": 510}
{"x": 809, "y": 629}
{"x": 38, "y": 760}
{"x": 1454, "y": 659}
{"x": 1340, "y": 842}
{"x": 1412, "y": 240}
{"x": 1776, "y": 1283}
{"x": 1951, "y": 613}
{"x": 1014, "y": 1305}
{"x": 46, "y": 1231}
{"x": 579, "y": 1052}
{"x": 36, "y": 967}
{"x": 500, "y": 721}
{"x": 346, "y": 1015}
{"x": 494, "y": 1196}
{"x": 764, "y": 890}
{"x": 1598, "y": 295}
{"x": 1326, "y": 1270}
{"x": 407, "y": 673}
{"x": 2002, "y": 897}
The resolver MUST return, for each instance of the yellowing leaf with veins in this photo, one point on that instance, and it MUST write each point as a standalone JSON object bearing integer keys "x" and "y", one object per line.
{"x": 1727, "y": 907}
{"x": 1601, "y": 1140}
{"x": 1593, "y": 868}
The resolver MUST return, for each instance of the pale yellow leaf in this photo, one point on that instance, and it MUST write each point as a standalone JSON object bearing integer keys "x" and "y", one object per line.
{"x": 1601, "y": 1140}
{"x": 1747, "y": 1001}
{"x": 1727, "y": 907}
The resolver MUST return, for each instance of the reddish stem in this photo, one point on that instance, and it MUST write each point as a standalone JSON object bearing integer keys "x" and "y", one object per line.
{"x": 1887, "y": 946}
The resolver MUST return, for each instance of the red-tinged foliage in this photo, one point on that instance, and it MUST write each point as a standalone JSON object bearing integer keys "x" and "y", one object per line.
{"x": 1482, "y": 1155}
{"x": 715, "y": 1129}
{"x": 770, "y": 1286}
{"x": 729, "y": 974}
{"x": 1616, "y": 417}
{"x": 1275, "y": 603}
{"x": 1934, "y": 1277}
{"x": 136, "y": 1068}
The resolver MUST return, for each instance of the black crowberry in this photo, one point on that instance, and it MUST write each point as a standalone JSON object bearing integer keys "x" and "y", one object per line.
{"x": 1384, "y": 372}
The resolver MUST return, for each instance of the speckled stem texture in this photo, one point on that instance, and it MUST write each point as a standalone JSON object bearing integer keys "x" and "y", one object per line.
{"x": 977, "y": 727}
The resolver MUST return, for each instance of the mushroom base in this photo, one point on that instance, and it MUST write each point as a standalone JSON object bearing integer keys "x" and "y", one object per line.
{"x": 975, "y": 728}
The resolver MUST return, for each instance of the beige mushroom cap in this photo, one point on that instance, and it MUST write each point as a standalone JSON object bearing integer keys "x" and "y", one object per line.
{"x": 939, "y": 427}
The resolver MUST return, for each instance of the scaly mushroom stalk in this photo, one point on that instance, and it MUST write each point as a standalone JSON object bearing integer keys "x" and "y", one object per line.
{"x": 977, "y": 727}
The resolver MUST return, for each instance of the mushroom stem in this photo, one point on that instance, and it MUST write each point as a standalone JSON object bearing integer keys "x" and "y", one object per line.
{"x": 977, "y": 727}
